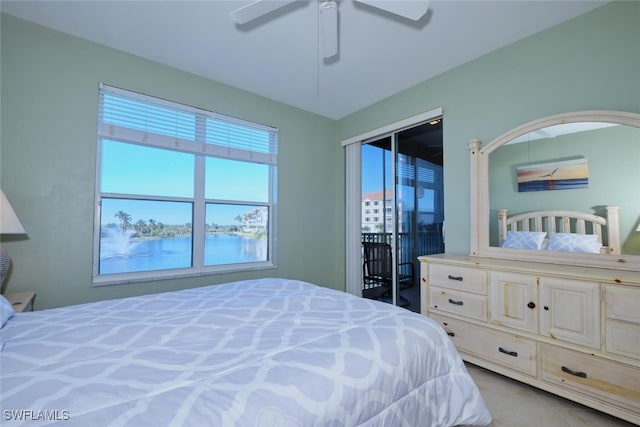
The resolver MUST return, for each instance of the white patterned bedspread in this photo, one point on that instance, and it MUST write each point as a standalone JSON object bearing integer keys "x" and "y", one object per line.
{"x": 268, "y": 352}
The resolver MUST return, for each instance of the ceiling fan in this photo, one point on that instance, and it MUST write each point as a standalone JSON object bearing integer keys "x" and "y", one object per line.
{"x": 328, "y": 15}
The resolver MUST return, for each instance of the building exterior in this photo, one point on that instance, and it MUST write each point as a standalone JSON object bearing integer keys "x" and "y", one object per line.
{"x": 255, "y": 220}
{"x": 377, "y": 211}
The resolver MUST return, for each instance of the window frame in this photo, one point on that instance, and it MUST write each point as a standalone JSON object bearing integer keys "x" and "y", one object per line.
{"x": 200, "y": 149}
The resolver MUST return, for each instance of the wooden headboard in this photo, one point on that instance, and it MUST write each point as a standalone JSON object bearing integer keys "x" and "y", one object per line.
{"x": 564, "y": 222}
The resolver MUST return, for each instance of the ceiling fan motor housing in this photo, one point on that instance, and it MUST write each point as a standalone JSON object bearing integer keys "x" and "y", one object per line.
{"x": 329, "y": 28}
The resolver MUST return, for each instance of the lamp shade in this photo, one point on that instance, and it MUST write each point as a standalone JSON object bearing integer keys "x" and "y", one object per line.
{"x": 9, "y": 222}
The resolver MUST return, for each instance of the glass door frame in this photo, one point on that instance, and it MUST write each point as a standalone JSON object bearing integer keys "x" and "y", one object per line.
{"x": 353, "y": 192}
{"x": 393, "y": 148}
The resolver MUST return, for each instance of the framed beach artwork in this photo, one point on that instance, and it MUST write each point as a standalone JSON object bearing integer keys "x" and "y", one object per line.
{"x": 553, "y": 175}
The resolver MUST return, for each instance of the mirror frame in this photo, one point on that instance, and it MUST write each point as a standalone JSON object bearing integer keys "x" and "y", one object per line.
{"x": 479, "y": 196}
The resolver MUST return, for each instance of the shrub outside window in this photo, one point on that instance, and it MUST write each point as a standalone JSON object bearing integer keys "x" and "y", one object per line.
{"x": 180, "y": 191}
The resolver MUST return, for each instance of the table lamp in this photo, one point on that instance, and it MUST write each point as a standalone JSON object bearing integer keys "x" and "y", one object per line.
{"x": 9, "y": 224}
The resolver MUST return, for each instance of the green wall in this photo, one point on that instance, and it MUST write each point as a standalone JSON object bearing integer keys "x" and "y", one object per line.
{"x": 47, "y": 167}
{"x": 589, "y": 63}
{"x": 49, "y": 88}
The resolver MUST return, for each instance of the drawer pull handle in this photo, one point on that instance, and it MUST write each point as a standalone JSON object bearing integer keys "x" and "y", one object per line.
{"x": 457, "y": 278}
{"x": 455, "y": 302}
{"x": 510, "y": 353}
{"x": 451, "y": 334}
{"x": 574, "y": 373}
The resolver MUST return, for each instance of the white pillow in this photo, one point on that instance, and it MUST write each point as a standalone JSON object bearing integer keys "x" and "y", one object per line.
{"x": 524, "y": 239}
{"x": 572, "y": 242}
{"x": 6, "y": 310}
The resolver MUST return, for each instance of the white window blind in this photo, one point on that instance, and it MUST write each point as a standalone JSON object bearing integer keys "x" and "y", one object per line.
{"x": 141, "y": 119}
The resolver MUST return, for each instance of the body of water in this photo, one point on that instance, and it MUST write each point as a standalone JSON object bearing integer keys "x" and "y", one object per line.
{"x": 553, "y": 184}
{"x": 120, "y": 254}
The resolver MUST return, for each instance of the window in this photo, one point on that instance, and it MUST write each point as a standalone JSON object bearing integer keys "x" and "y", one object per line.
{"x": 180, "y": 191}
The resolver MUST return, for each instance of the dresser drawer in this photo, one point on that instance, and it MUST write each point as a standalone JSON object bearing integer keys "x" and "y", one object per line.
{"x": 591, "y": 376}
{"x": 504, "y": 349}
{"x": 622, "y": 303}
{"x": 623, "y": 338}
{"x": 461, "y": 278}
{"x": 460, "y": 303}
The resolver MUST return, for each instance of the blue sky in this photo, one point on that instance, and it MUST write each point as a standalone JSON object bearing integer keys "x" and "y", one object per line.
{"x": 135, "y": 169}
{"x": 372, "y": 178}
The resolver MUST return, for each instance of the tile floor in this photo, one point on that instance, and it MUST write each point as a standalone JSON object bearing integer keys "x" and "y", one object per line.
{"x": 514, "y": 404}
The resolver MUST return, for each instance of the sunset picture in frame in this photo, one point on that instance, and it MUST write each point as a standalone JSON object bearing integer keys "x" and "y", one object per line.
{"x": 554, "y": 175}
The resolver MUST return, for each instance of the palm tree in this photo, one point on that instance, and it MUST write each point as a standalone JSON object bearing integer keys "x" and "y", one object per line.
{"x": 125, "y": 220}
{"x": 141, "y": 227}
{"x": 152, "y": 226}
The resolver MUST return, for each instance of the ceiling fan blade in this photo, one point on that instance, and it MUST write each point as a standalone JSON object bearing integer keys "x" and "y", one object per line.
{"x": 257, "y": 9}
{"x": 410, "y": 9}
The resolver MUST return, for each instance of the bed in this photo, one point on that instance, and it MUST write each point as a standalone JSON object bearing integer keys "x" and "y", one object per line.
{"x": 560, "y": 230}
{"x": 266, "y": 352}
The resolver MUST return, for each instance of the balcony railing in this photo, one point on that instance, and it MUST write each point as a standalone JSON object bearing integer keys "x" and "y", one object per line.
{"x": 410, "y": 247}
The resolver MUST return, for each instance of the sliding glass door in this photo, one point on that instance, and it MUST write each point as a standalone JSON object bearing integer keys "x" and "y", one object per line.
{"x": 402, "y": 210}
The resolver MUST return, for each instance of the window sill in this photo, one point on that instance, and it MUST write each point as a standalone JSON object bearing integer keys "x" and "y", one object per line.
{"x": 148, "y": 276}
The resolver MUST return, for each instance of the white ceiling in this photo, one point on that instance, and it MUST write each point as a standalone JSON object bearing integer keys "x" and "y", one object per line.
{"x": 278, "y": 56}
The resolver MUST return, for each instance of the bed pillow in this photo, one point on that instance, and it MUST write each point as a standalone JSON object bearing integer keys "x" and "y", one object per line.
{"x": 572, "y": 242}
{"x": 524, "y": 239}
{"x": 6, "y": 310}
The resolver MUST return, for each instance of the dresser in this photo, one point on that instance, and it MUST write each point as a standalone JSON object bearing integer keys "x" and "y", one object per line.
{"x": 573, "y": 331}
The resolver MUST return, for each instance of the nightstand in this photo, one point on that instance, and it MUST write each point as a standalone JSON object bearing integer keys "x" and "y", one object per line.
{"x": 21, "y": 301}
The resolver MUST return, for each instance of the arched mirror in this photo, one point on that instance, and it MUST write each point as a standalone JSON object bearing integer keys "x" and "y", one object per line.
{"x": 563, "y": 189}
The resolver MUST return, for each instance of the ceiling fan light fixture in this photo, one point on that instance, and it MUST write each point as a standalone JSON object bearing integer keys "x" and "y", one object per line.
{"x": 329, "y": 28}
